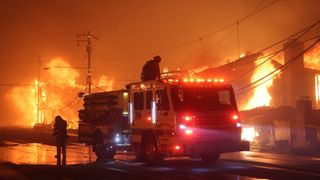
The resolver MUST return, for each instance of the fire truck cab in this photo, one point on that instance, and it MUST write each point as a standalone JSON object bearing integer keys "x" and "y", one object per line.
{"x": 183, "y": 117}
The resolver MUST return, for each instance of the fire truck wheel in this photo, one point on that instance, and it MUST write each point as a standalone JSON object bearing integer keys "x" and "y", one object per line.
{"x": 98, "y": 145}
{"x": 210, "y": 157}
{"x": 102, "y": 151}
{"x": 109, "y": 153}
{"x": 150, "y": 150}
{"x": 137, "y": 149}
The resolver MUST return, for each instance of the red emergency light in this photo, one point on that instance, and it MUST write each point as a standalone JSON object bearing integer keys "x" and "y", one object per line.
{"x": 236, "y": 119}
{"x": 188, "y": 118}
{"x": 195, "y": 80}
{"x": 185, "y": 129}
{"x": 188, "y": 131}
{"x": 187, "y": 121}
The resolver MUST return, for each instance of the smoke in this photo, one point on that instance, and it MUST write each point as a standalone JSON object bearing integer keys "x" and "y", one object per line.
{"x": 143, "y": 29}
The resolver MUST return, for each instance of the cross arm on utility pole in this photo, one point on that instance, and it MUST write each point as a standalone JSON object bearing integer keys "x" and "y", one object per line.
{"x": 88, "y": 36}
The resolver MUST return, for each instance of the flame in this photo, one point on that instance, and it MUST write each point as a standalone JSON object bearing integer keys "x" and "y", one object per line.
{"x": 317, "y": 90}
{"x": 242, "y": 55}
{"x": 261, "y": 96}
{"x": 56, "y": 93}
{"x": 63, "y": 75}
{"x": 248, "y": 134}
{"x": 27, "y": 96}
{"x": 312, "y": 58}
{"x": 165, "y": 70}
{"x": 105, "y": 83}
{"x": 312, "y": 61}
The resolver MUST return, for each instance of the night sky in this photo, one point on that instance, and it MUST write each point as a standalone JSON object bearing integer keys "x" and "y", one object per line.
{"x": 32, "y": 29}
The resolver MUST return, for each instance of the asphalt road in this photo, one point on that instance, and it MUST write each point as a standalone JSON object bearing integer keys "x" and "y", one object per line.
{"x": 36, "y": 161}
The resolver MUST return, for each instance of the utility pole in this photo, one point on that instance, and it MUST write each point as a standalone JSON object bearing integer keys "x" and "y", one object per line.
{"x": 88, "y": 35}
{"x": 38, "y": 91}
{"x": 238, "y": 39}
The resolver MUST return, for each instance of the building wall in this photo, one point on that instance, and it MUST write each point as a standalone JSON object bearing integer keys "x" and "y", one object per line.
{"x": 295, "y": 81}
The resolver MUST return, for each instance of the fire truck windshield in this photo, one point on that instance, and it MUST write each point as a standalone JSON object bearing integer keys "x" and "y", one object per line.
{"x": 203, "y": 98}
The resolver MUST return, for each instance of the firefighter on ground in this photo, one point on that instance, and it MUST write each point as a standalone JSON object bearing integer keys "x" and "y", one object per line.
{"x": 60, "y": 131}
{"x": 151, "y": 70}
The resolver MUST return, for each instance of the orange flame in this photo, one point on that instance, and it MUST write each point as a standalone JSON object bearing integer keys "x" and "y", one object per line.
{"x": 261, "y": 96}
{"x": 105, "y": 83}
{"x": 57, "y": 96}
{"x": 312, "y": 58}
{"x": 63, "y": 76}
{"x": 312, "y": 61}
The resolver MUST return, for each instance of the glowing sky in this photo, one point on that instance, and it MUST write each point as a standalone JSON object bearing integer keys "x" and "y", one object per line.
{"x": 35, "y": 28}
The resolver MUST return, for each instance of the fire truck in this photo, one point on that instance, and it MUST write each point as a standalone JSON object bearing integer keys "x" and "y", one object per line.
{"x": 193, "y": 117}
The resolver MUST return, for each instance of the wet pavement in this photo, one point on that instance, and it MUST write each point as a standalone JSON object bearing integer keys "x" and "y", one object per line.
{"x": 29, "y": 158}
{"x": 36, "y": 153}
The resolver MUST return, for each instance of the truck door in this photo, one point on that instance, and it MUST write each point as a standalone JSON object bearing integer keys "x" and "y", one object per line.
{"x": 165, "y": 120}
{"x": 141, "y": 110}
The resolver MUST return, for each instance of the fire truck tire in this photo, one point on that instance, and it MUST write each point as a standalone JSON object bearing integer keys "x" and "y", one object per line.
{"x": 102, "y": 151}
{"x": 150, "y": 150}
{"x": 137, "y": 149}
{"x": 109, "y": 153}
{"x": 210, "y": 157}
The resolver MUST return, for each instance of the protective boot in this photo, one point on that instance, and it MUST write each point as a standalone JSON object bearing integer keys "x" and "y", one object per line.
{"x": 64, "y": 160}
{"x": 58, "y": 160}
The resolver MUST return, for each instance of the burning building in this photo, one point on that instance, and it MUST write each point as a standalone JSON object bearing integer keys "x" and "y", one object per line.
{"x": 296, "y": 80}
{"x": 55, "y": 93}
{"x": 283, "y": 111}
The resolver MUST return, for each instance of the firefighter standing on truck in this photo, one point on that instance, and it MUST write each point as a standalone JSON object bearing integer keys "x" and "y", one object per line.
{"x": 151, "y": 70}
{"x": 60, "y": 131}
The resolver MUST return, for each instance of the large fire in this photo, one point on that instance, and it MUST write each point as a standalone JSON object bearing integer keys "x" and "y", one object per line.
{"x": 105, "y": 83}
{"x": 312, "y": 58}
{"x": 56, "y": 94}
{"x": 312, "y": 61}
{"x": 261, "y": 96}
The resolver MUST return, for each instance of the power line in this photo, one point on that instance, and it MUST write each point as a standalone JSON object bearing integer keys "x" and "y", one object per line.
{"x": 280, "y": 69}
{"x": 274, "y": 72}
{"x": 195, "y": 40}
{"x": 258, "y": 5}
{"x": 238, "y": 39}
{"x": 69, "y": 104}
{"x": 16, "y": 84}
{"x": 205, "y": 50}
{"x": 72, "y": 101}
{"x": 255, "y": 11}
{"x": 289, "y": 37}
{"x": 258, "y": 10}
{"x": 88, "y": 36}
{"x": 18, "y": 62}
{"x": 277, "y": 52}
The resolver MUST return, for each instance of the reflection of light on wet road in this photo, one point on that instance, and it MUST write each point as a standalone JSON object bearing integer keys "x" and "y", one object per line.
{"x": 35, "y": 153}
{"x": 270, "y": 158}
{"x": 125, "y": 162}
